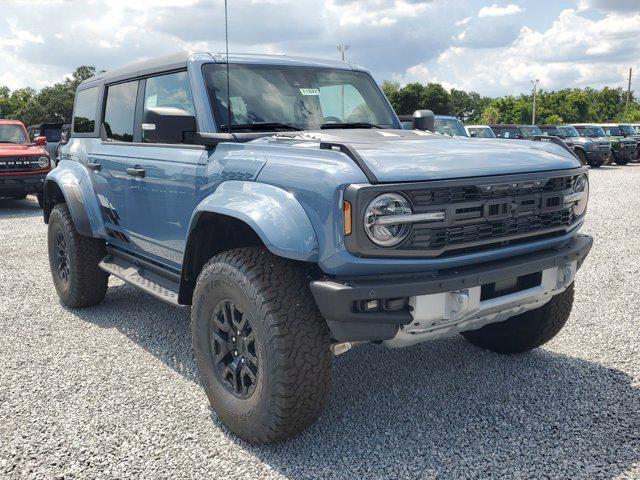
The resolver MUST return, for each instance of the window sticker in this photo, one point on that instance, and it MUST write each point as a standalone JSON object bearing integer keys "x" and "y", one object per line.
{"x": 310, "y": 91}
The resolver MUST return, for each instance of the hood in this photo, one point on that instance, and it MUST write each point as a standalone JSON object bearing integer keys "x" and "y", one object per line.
{"x": 12, "y": 150}
{"x": 410, "y": 155}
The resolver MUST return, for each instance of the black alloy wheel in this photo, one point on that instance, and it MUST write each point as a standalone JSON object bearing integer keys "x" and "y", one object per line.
{"x": 234, "y": 349}
{"x": 62, "y": 258}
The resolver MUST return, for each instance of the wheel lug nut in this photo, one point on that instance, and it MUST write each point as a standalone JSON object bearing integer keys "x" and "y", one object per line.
{"x": 235, "y": 353}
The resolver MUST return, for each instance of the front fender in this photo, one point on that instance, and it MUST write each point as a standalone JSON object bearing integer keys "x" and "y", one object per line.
{"x": 273, "y": 213}
{"x": 72, "y": 179}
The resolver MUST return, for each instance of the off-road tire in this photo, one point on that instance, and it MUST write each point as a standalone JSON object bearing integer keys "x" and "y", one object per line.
{"x": 594, "y": 164}
{"x": 582, "y": 157}
{"x": 291, "y": 344}
{"x": 621, "y": 161}
{"x": 86, "y": 283}
{"x": 526, "y": 331}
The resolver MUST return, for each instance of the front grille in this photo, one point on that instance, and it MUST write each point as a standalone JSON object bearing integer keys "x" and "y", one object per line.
{"x": 629, "y": 145}
{"x": 470, "y": 193}
{"x": 604, "y": 146}
{"x": 19, "y": 164}
{"x": 425, "y": 238}
{"x": 481, "y": 216}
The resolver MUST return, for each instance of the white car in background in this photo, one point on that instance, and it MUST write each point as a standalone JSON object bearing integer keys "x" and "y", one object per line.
{"x": 480, "y": 131}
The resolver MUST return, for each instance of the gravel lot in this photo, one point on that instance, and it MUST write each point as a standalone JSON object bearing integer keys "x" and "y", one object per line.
{"x": 112, "y": 391}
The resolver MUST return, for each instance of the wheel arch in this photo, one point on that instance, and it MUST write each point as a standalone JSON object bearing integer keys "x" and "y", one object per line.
{"x": 69, "y": 183}
{"x": 241, "y": 214}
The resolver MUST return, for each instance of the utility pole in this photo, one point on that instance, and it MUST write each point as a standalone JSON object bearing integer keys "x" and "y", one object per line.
{"x": 629, "y": 89}
{"x": 342, "y": 48}
{"x": 535, "y": 94}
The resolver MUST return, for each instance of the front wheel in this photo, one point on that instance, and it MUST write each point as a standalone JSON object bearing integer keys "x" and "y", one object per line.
{"x": 526, "y": 331}
{"x": 261, "y": 346}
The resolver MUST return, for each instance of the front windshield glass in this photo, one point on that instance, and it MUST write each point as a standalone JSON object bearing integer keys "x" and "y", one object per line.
{"x": 530, "y": 131}
{"x": 12, "y": 134}
{"x": 450, "y": 126}
{"x": 481, "y": 132}
{"x": 276, "y": 97}
{"x": 569, "y": 132}
{"x": 611, "y": 131}
{"x": 628, "y": 130}
{"x": 593, "y": 132}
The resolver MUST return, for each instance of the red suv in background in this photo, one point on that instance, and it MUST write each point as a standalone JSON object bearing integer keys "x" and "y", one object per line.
{"x": 23, "y": 165}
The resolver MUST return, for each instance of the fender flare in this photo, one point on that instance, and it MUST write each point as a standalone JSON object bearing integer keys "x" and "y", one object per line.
{"x": 273, "y": 213}
{"x": 73, "y": 180}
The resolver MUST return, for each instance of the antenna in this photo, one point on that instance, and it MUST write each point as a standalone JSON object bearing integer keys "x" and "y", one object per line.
{"x": 226, "y": 35}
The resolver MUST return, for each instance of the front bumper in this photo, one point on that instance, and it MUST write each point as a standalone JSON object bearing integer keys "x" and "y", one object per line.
{"x": 21, "y": 184}
{"x": 625, "y": 153}
{"x": 597, "y": 155}
{"x": 337, "y": 298}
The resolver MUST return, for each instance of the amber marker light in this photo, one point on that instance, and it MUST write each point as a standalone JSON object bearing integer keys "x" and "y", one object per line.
{"x": 347, "y": 218}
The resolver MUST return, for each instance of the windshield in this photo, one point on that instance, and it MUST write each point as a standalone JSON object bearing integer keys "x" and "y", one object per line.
{"x": 569, "y": 132}
{"x": 450, "y": 126}
{"x": 628, "y": 130}
{"x": 276, "y": 97}
{"x": 611, "y": 131}
{"x": 481, "y": 132}
{"x": 12, "y": 134}
{"x": 591, "y": 132}
{"x": 530, "y": 131}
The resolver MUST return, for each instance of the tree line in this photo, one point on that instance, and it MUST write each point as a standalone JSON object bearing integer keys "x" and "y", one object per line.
{"x": 570, "y": 105}
{"x": 51, "y": 104}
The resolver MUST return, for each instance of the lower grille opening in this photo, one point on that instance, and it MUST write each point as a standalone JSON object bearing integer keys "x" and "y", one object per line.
{"x": 509, "y": 286}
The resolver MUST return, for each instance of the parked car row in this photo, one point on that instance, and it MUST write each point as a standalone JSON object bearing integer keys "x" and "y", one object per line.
{"x": 593, "y": 144}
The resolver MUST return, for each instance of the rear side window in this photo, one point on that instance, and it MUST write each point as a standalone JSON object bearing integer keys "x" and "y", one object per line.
{"x": 84, "y": 114}
{"x": 167, "y": 91}
{"x": 120, "y": 110}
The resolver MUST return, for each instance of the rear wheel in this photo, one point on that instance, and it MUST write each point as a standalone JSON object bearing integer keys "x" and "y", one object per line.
{"x": 526, "y": 331}
{"x": 73, "y": 259}
{"x": 261, "y": 346}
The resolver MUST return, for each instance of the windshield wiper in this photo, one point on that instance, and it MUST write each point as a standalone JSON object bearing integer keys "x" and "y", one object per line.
{"x": 349, "y": 125}
{"x": 260, "y": 126}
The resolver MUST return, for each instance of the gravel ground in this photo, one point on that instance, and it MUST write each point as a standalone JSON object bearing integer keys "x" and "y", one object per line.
{"x": 112, "y": 391}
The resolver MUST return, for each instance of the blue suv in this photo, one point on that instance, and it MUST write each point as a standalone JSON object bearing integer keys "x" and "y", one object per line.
{"x": 281, "y": 200}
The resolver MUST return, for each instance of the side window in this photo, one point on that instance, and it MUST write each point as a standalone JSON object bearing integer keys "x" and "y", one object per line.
{"x": 345, "y": 103}
{"x": 168, "y": 106}
{"x": 84, "y": 113}
{"x": 120, "y": 110}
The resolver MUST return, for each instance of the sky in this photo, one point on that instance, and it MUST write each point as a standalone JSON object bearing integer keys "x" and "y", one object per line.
{"x": 492, "y": 47}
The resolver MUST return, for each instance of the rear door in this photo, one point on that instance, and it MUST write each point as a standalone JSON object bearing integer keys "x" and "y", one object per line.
{"x": 108, "y": 161}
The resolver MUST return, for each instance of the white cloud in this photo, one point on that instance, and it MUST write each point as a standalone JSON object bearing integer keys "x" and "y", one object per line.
{"x": 498, "y": 11}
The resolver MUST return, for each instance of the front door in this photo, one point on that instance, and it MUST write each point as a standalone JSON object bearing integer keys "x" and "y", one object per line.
{"x": 163, "y": 195}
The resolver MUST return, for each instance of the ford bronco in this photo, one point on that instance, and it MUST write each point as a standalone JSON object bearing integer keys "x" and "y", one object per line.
{"x": 282, "y": 201}
{"x": 622, "y": 150}
{"x": 23, "y": 165}
{"x": 590, "y": 151}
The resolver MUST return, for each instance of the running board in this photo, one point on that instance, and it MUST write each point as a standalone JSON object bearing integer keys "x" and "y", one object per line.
{"x": 150, "y": 282}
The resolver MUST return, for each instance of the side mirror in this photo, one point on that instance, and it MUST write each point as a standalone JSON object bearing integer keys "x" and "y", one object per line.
{"x": 167, "y": 125}
{"x": 472, "y": 134}
{"x": 424, "y": 120}
{"x": 41, "y": 141}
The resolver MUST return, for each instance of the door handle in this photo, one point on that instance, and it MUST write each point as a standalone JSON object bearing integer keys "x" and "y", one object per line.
{"x": 94, "y": 166}
{"x": 136, "y": 172}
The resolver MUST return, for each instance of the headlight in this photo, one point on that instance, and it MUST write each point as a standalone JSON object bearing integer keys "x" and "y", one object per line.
{"x": 43, "y": 162}
{"x": 581, "y": 186}
{"x": 592, "y": 146}
{"x": 383, "y": 233}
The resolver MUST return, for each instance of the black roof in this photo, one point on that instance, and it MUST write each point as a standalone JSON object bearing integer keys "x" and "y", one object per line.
{"x": 509, "y": 125}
